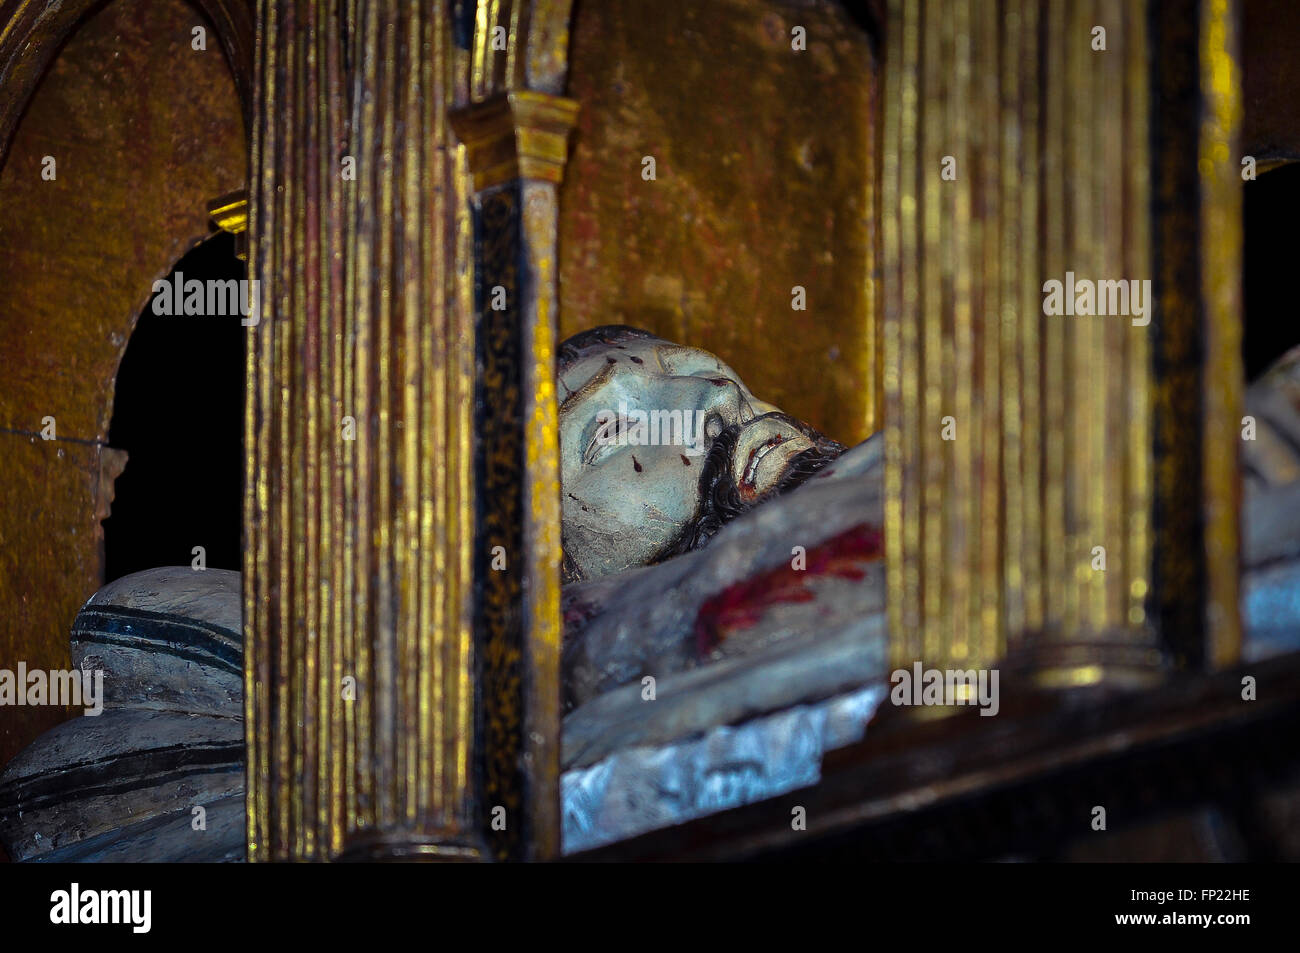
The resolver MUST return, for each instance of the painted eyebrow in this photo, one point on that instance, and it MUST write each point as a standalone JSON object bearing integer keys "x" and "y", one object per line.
{"x": 595, "y": 381}
{"x": 573, "y": 398}
{"x": 675, "y": 350}
{"x": 671, "y": 350}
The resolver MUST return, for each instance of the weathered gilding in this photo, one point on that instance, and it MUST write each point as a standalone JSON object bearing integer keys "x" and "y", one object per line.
{"x": 143, "y": 130}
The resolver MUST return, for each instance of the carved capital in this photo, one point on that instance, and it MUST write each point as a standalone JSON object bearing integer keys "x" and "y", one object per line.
{"x": 229, "y": 213}
{"x": 516, "y": 135}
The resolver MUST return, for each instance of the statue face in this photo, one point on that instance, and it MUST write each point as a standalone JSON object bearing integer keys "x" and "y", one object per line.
{"x": 640, "y": 425}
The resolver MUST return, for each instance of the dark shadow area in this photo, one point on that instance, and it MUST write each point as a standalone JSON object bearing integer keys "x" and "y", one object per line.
{"x": 178, "y": 411}
{"x": 1271, "y": 209}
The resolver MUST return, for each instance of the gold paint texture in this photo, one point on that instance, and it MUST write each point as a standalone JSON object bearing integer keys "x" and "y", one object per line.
{"x": 542, "y": 545}
{"x": 518, "y": 135}
{"x": 517, "y": 214}
{"x": 1137, "y": 476}
{"x": 894, "y": 267}
{"x": 144, "y": 131}
{"x": 359, "y": 553}
{"x": 935, "y": 266}
{"x": 359, "y": 564}
{"x": 1221, "y": 268}
{"x": 499, "y": 621}
{"x": 761, "y": 186}
{"x": 535, "y": 54}
{"x": 989, "y": 537}
{"x": 514, "y": 131}
{"x": 1196, "y": 185}
{"x": 229, "y": 212}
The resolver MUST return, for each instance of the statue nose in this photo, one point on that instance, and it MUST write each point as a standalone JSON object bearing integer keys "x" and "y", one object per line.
{"x": 728, "y": 402}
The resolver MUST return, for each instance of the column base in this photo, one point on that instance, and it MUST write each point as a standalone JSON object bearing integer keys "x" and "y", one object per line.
{"x": 412, "y": 846}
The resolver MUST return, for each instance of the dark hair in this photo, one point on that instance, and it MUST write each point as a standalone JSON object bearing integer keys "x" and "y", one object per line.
{"x": 607, "y": 335}
{"x": 720, "y": 500}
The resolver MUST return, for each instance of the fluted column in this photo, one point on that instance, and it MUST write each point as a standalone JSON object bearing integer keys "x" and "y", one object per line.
{"x": 371, "y": 616}
{"x": 1060, "y": 486}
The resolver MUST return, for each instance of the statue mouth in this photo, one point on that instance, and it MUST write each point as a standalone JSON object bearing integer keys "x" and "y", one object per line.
{"x": 767, "y": 462}
{"x": 747, "y": 464}
{"x": 748, "y": 483}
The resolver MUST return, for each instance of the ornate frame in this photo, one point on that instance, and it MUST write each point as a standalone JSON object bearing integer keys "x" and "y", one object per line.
{"x": 992, "y": 575}
{"x": 401, "y": 693}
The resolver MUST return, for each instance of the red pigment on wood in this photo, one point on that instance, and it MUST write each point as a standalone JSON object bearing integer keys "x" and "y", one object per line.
{"x": 578, "y": 612}
{"x": 743, "y": 603}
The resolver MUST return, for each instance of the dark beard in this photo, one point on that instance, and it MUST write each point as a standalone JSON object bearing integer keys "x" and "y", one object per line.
{"x": 720, "y": 499}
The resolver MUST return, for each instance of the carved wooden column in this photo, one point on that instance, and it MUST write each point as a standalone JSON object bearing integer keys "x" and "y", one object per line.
{"x": 517, "y": 145}
{"x": 1061, "y": 487}
{"x": 389, "y": 668}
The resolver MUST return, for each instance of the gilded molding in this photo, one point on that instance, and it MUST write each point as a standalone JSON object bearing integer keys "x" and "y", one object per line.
{"x": 499, "y": 622}
{"x": 516, "y": 147}
{"x": 516, "y": 135}
{"x": 372, "y": 562}
{"x": 1221, "y": 291}
{"x": 229, "y": 213}
{"x": 1071, "y": 432}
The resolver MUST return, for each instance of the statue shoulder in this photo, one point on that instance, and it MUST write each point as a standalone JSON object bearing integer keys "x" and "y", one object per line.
{"x": 158, "y": 668}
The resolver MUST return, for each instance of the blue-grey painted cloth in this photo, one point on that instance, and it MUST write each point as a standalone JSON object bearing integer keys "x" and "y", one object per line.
{"x": 641, "y": 789}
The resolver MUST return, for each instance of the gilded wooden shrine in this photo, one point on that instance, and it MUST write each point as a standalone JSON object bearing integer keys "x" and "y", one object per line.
{"x": 861, "y": 223}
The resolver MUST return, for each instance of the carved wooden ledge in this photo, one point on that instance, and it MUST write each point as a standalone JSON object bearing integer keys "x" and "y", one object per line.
{"x": 1024, "y": 783}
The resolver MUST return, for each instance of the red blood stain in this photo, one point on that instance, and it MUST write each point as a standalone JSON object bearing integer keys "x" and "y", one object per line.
{"x": 578, "y": 612}
{"x": 743, "y": 603}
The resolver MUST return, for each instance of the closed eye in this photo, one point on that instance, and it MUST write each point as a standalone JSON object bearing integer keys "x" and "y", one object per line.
{"x": 604, "y": 437}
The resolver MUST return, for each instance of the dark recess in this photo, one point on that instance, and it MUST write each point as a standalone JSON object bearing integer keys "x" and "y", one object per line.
{"x": 178, "y": 411}
{"x": 1271, "y": 207}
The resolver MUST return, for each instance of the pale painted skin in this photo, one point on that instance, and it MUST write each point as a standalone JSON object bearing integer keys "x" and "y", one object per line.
{"x": 617, "y": 516}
